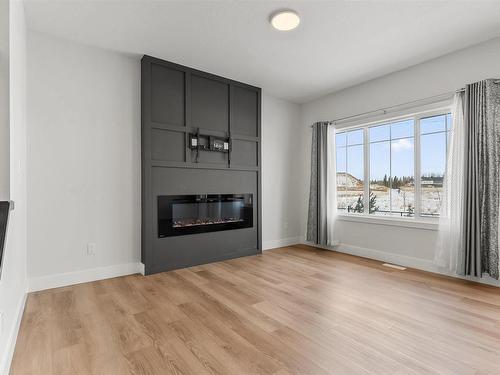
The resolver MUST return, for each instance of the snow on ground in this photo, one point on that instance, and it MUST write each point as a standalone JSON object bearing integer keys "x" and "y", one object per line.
{"x": 402, "y": 199}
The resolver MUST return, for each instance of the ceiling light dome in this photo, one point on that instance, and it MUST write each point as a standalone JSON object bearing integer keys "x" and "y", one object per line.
{"x": 285, "y": 20}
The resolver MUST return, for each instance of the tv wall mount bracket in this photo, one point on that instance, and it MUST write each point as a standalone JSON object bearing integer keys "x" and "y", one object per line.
{"x": 201, "y": 142}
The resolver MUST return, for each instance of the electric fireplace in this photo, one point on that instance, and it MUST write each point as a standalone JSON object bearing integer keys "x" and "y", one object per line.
{"x": 179, "y": 215}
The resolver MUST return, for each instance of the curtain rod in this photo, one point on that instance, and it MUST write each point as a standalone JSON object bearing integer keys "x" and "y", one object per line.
{"x": 385, "y": 109}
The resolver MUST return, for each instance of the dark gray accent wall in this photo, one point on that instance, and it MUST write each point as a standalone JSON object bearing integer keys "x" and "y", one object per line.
{"x": 176, "y": 101}
{"x": 5, "y": 207}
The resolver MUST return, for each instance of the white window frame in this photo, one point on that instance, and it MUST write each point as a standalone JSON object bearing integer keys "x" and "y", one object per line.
{"x": 417, "y": 221}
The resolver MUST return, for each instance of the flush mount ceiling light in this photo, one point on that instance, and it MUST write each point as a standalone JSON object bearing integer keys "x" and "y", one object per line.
{"x": 285, "y": 20}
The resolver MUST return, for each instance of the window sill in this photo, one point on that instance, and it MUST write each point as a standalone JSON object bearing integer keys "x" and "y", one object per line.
{"x": 397, "y": 222}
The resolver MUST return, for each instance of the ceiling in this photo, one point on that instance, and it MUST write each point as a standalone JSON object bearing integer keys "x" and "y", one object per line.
{"x": 338, "y": 43}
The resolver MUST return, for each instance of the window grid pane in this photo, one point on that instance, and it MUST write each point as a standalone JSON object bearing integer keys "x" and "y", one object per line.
{"x": 380, "y": 178}
{"x": 434, "y": 137}
{"x": 380, "y": 133}
{"x": 355, "y": 137}
{"x": 350, "y": 171}
{"x": 341, "y": 169}
{"x": 354, "y": 179}
{"x": 392, "y": 185}
{"x": 402, "y": 177}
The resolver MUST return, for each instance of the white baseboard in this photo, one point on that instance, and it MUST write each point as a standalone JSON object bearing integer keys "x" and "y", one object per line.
{"x": 273, "y": 244}
{"x": 12, "y": 339}
{"x": 403, "y": 260}
{"x": 142, "y": 269}
{"x": 399, "y": 259}
{"x": 331, "y": 247}
{"x": 84, "y": 276}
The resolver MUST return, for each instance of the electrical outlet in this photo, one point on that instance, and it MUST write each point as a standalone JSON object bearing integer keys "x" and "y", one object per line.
{"x": 91, "y": 248}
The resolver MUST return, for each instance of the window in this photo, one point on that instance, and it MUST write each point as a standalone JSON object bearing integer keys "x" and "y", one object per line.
{"x": 392, "y": 181}
{"x": 350, "y": 170}
{"x": 404, "y": 164}
{"x": 434, "y": 136}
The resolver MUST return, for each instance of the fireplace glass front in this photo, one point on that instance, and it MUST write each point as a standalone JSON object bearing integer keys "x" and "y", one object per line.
{"x": 188, "y": 214}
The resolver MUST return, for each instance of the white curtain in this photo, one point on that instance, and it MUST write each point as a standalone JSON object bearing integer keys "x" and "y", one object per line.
{"x": 450, "y": 249}
{"x": 331, "y": 183}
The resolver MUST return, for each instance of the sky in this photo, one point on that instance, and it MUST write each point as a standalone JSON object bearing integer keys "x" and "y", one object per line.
{"x": 397, "y": 139}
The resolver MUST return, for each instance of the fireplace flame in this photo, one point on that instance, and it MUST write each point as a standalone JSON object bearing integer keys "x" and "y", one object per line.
{"x": 204, "y": 221}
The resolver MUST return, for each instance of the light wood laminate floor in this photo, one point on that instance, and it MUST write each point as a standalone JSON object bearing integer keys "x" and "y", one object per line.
{"x": 294, "y": 310}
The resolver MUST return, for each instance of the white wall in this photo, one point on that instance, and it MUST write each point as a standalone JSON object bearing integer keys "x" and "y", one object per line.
{"x": 281, "y": 210}
{"x": 84, "y": 171}
{"x": 4, "y": 100}
{"x": 13, "y": 283}
{"x": 434, "y": 77}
